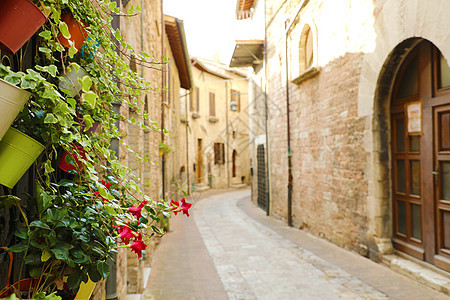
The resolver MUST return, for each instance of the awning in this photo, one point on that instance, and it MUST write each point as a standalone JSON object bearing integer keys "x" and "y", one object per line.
{"x": 247, "y": 54}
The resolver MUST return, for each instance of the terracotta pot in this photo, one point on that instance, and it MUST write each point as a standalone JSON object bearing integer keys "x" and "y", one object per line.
{"x": 75, "y": 164}
{"x": 77, "y": 32}
{"x": 19, "y": 20}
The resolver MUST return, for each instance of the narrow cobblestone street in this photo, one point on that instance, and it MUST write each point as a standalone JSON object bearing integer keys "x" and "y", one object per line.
{"x": 229, "y": 249}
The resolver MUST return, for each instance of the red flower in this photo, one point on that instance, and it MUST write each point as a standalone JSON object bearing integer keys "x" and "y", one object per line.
{"x": 138, "y": 246}
{"x": 176, "y": 207}
{"x": 126, "y": 234}
{"x": 106, "y": 184}
{"x": 137, "y": 210}
{"x": 97, "y": 194}
{"x": 185, "y": 207}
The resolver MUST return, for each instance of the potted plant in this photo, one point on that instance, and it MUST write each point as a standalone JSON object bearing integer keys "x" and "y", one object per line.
{"x": 83, "y": 221}
{"x": 19, "y": 21}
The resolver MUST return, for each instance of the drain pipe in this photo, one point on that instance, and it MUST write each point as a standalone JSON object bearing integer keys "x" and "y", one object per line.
{"x": 266, "y": 115}
{"x": 289, "y": 200}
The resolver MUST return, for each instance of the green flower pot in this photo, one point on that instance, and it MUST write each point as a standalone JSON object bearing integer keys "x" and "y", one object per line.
{"x": 17, "y": 153}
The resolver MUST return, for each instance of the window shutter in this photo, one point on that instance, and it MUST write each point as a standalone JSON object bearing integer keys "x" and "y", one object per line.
{"x": 212, "y": 104}
{"x": 197, "y": 97}
{"x": 222, "y": 153}
{"x": 216, "y": 153}
{"x": 238, "y": 99}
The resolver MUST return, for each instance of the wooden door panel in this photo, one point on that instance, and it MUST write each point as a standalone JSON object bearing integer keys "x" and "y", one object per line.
{"x": 442, "y": 184}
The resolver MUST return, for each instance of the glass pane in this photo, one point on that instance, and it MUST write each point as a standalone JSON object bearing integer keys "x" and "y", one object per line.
{"x": 414, "y": 143}
{"x": 445, "y": 180}
{"x": 416, "y": 230}
{"x": 445, "y": 227}
{"x": 415, "y": 177}
{"x": 401, "y": 217}
{"x": 445, "y": 73}
{"x": 409, "y": 85}
{"x": 400, "y": 135}
{"x": 401, "y": 176}
{"x": 309, "y": 50}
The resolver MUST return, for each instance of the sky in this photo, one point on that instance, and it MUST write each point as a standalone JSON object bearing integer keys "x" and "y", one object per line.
{"x": 209, "y": 26}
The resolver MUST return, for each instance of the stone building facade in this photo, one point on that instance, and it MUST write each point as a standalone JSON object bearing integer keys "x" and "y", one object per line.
{"x": 146, "y": 150}
{"x": 217, "y": 119}
{"x": 358, "y": 111}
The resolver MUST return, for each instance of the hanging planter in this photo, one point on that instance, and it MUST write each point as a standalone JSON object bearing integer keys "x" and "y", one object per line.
{"x": 17, "y": 153}
{"x": 69, "y": 84}
{"x": 71, "y": 163}
{"x": 19, "y": 20}
{"x": 77, "y": 32}
{"x": 12, "y": 99}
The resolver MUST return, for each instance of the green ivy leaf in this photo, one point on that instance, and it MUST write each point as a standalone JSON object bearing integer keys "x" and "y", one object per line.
{"x": 91, "y": 98}
{"x": 117, "y": 35}
{"x": 50, "y": 118}
{"x": 47, "y": 34}
{"x": 64, "y": 29}
{"x": 72, "y": 102}
{"x": 86, "y": 83}
{"x": 72, "y": 49}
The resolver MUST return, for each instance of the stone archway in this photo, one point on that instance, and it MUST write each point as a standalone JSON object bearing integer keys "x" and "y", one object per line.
{"x": 379, "y": 67}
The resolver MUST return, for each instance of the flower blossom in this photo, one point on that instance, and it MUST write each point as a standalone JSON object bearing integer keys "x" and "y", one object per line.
{"x": 177, "y": 207}
{"x": 126, "y": 234}
{"x": 137, "y": 210}
{"x": 106, "y": 184}
{"x": 137, "y": 247}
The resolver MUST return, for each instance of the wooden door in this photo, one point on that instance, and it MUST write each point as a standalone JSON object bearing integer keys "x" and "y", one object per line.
{"x": 421, "y": 156}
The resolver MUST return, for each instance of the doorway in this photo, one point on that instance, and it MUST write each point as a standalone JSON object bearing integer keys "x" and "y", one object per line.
{"x": 420, "y": 151}
{"x": 234, "y": 158}
{"x": 199, "y": 161}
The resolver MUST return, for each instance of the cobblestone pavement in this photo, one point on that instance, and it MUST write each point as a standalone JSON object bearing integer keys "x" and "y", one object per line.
{"x": 235, "y": 252}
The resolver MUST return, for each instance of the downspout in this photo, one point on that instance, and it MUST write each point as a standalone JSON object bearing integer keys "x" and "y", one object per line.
{"x": 226, "y": 128}
{"x": 111, "y": 280}
{"x": 266, "y": 108}
{"x": 289, "y": 200}
{"x": 187, "y": 140}
{"x": 163, "y": 97}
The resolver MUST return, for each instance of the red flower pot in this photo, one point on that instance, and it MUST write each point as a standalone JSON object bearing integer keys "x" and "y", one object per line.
{"x": 75, "y": 164}
{"x": 19, "y": 20}
{"x": 77, "y": 32}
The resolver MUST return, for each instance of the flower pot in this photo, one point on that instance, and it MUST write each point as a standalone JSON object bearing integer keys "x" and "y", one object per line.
{"x": 70, "y": 81}
{"x": 85, "y": 291}
{"x": 12, "y": 99}
{"x": 19, "y": 20}
{"x": 74, "y": 165}
{"x": 17, "y": 153}
{"x": 77, "y": 32}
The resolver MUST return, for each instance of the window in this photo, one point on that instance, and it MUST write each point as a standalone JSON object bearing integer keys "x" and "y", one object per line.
{"x": 306, "y": 49}
{"x": 212, "y": 104}
{"x": 219, "y": 153}
{"x": 235, "y": 103}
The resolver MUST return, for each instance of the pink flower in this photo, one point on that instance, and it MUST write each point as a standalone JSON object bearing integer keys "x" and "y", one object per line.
{"x": 185, "y": 207}
{"x": 138, "y": 246}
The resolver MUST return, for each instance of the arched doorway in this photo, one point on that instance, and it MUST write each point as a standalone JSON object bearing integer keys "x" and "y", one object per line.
{"x": 234, "y": 163}
{"x": 420, "y": 154}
